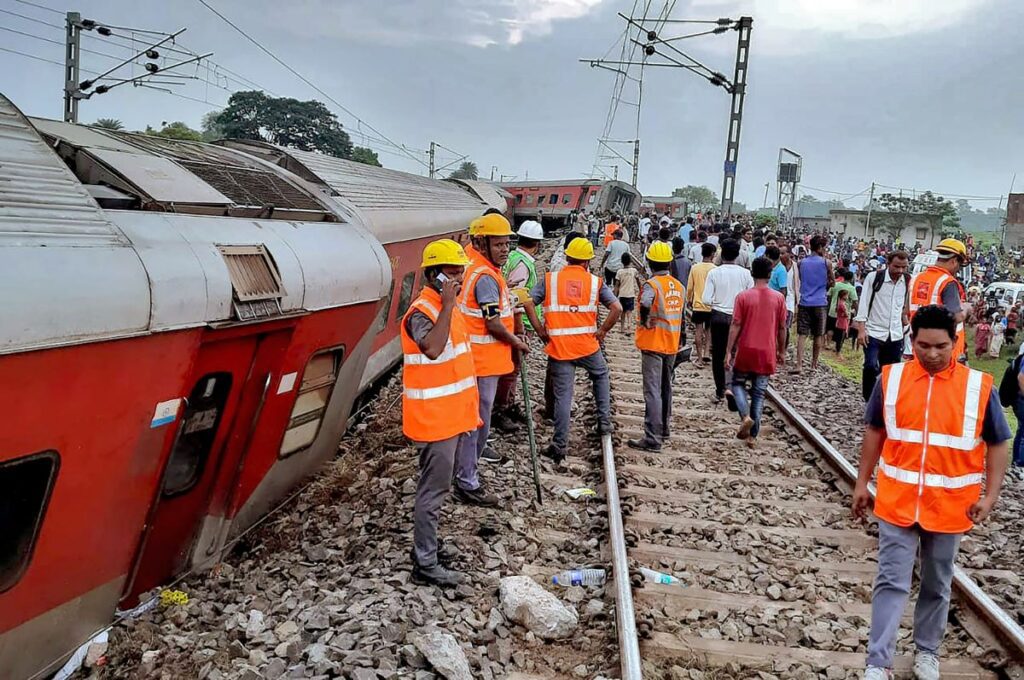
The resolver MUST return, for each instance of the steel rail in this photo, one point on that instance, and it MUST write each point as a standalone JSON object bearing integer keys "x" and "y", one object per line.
{"x": 625, "y": 616}
{"x": 1002, "y": 623}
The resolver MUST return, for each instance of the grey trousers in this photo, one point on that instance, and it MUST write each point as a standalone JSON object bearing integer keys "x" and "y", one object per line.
{"x": 472, "y": 445}
{"x": 897, "y": 552}
{"x": 563, "y": 374}
{"x": 437, "y": 460}
{"x": 657, "y": 373}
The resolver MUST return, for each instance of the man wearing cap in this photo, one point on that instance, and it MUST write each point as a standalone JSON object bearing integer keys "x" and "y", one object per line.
{"x": 520, "y": 271}
{"x": 440, "y": 401}
{"x": 486, "y": 303}
{"x": 569, "y": 298}
{"x": 657, "y": 337}
{"x": 937, "y": 285}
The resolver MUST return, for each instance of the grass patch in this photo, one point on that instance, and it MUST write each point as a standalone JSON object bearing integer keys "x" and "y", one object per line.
{"x": 848, "y": 364}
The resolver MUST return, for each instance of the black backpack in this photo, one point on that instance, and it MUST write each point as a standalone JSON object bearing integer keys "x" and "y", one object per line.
{"x": 876, "y": 285}
{"x": 1009, "y": 388}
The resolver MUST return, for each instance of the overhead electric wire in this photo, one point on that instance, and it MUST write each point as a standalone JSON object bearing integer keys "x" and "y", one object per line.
{"x": 38, "y": 6}
{"x": 940, "y": 193}
{"x": 308, "y": 82}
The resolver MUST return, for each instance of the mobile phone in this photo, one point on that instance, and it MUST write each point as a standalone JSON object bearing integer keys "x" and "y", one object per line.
{"x": 440, "y": 280}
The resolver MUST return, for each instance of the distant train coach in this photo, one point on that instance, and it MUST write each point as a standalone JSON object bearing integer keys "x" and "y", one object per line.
{"x": 552, "y": 202}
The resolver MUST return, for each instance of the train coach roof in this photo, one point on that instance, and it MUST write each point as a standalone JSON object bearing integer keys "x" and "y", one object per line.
{"x": 491, "y": 194}
{"x": 80, "y": 272}
{"x": 551, "y": 183}
{"x": 396, "y": 206}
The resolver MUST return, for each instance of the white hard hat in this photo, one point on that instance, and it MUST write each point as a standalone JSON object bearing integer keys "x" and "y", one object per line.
{"x": 531, "y": 229}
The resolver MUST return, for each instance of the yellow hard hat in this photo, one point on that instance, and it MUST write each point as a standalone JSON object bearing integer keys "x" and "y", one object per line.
{"x": 444, "y": 251}
{"x": 952, "y": 247}
{"x": 660, "y": 252}
{"x": 490, "y": 225}
{"x": 580, "y": 249}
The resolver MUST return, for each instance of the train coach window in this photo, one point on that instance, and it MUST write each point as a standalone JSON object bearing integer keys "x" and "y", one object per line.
{"x": 553, "y": 199}
{"x": 592, "y": 197}
{"x": 405, "y": 296}
{"x": 566, "y": 198}
{"x": 318, "y": 382}
{"x": 25, "y": 487}
{"x": 197, "y": 432}
{"x": 519, "y": 199}
{"x": 529, "y": 199}
{"x": 385, "y": 310}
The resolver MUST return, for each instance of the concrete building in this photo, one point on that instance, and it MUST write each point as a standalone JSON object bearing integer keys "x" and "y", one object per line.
{"x": 1014, "y": 221}
{"x": 916, "y": 228}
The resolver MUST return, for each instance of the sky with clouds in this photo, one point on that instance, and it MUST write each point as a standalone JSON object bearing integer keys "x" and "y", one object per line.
{"x": 912, "y": 93}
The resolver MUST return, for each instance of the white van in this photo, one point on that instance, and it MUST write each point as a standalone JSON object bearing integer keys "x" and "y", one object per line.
{"x": 1004, "y": 294}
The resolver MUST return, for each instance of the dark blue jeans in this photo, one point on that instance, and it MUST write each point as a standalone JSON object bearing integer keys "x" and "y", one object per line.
{"x": 752, "y": 404}
{"x": 1018, "y": 440}
{"x": 878, "y": 353}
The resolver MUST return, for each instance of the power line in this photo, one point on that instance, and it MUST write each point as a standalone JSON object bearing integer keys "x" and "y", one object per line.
{"x": 38, "y": 6}
{"x": 308, "y": 82}
{"x": 942, "y": 194}
{"x": 57, "y": 42}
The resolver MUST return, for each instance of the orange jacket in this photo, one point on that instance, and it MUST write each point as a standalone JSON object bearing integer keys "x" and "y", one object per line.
{"x": 609, "y": 232}
{"x": 926, "y": 289}
{"x": 933, "y": 459}
{"x": 666, "y": 316}
{"x": 440, "y": 398}
{"x": 490, "y": 355}
{"x": 570, "y": 312}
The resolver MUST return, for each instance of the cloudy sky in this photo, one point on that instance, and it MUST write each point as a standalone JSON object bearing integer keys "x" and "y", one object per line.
{"x": 908, "y": 93}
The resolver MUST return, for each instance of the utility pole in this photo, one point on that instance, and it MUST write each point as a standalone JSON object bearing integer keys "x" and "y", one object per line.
{"x": 764, "y": 203}
{"x": 72, "y": 65}
{"x": 616, "y": 177}
{"x": 432, "y": 151}
{"x": 493, "y": 168}
{"x": 871, "y": 205}
{"x": 636, "y": 160}
{"x": 739, "y": 91}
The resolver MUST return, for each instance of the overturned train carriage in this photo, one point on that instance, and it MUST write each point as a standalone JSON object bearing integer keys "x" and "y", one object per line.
{"x": 185, "y": 329}
{"x": 404, "y": 211}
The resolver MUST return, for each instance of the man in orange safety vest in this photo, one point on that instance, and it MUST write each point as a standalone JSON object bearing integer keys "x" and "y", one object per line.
{"x": 657, "y": 337}
{"x": 440, "y": 402}
{"x": 570, "y": 297}
{"x": 938, "y": 434}
{"x": 494, "y": 333}
{"x": 937, "y": 285}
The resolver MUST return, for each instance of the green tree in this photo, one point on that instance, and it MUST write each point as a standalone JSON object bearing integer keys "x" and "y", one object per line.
{"x": 176, "y": 130}
{"x": 697, "y": 198}
{"x": 211, "y": 127}
{"x": 109, "y": 124}
{"x": 304, "y": 125}
{"x": 466, "y": 170}
{"x": 766, "y": 221}
{"x": 890, "y": 212}
{"x": 360, "y": 154}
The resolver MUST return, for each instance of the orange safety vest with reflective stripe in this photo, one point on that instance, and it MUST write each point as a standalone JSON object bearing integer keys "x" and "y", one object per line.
{"x": 609, "y": 232}
{"x": 926, "y": 289}
{"x": 933, "y": 459}
{"x": 666, "y": 316}
{"x": 439, "y": 396}
{"x": 490, "y": 355}
{"x": 570, "y": 312}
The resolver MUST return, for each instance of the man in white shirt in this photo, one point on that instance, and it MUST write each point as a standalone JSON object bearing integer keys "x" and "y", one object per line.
{"x": 645, "y": 227}
{"x": 882, "y": 316}
{"x": 723, "y": 284}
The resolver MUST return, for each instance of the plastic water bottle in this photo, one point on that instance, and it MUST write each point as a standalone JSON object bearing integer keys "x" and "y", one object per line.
{"x": 580, "y": 577}
{"x": 658, "y": 577}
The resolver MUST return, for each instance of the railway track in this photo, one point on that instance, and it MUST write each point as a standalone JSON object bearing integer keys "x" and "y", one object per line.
{"x": 774, "y": 576}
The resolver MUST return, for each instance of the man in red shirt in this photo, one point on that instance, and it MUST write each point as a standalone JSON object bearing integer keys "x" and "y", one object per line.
{"x": 758, "y": 336}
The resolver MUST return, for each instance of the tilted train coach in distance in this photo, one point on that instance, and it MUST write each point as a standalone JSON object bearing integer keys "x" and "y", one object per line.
{"x": 185, "y": 330}
{"x": 556, "y": 199}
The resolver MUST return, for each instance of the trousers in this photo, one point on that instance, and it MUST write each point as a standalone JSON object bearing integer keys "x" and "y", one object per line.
{"x": 1018, "y": 439}
{"x": 878, "y": 353}
{"x": 720, "y": 322}
{"x": 437, "y": 460}
{"x": 472, "y": 444}
{"x": 753, "y": 404}
{"x": 897, "y": 552}
{"x": 505, "y": 395}
{"x": 656, "y": 369}
{"x": 563, "y": 377}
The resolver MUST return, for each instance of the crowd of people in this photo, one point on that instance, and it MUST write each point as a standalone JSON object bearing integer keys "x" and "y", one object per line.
{"x": 935, "y": 432}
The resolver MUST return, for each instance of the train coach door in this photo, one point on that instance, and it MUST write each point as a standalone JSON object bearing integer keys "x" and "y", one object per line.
{"x": 225, "y": 393}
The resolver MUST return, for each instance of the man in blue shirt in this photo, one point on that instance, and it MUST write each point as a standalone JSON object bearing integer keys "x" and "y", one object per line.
{"x": 779, "y": 277}
{"x": 686, "y": 231}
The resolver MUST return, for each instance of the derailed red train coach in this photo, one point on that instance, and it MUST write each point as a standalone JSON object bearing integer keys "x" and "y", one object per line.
{"x": 185, "y": 330}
